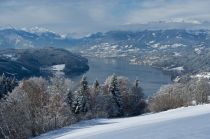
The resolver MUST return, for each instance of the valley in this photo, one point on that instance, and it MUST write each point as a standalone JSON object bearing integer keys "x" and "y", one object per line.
{"x": 179, "y": 52}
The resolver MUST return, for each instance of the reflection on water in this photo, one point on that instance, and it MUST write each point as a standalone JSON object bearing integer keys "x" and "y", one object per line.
{"x": 151, "y": 79}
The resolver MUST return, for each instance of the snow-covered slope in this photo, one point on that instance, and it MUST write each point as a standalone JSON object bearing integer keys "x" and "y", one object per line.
{"x": 182, "y": 123}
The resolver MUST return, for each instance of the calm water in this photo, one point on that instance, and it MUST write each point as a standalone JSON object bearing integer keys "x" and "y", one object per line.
{"x": 151, "y": 79}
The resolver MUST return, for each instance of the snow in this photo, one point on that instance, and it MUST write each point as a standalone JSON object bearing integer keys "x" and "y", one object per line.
{"x": 114, "y": 46}
{"x": 183, "y": 123}
{"x": 202, "y": 75}
{"x": 155, "y": 45}
{"x": 23, "y": 68}
{"x": 177, "y": 45}
{"x": 10, "y": 56}
{"x": 182, "y": 20}
{"x": 198, "y": 50}
{"x": 38, "y": 30}
{"x": 63, "y": 36}
{"x": 110, "y": 50}
{"x": 179, "y": 37}
{"x": 151, "y": 42}
{"x": 59, "y": 67}
{"x": 126, "y": 46}
{"x": 177, "y": 68}
{"x": 177, "y": 79}
{"x": 158, "y": 45}
{"x": 133, "y": 61}
{"x": 177, "y": 54}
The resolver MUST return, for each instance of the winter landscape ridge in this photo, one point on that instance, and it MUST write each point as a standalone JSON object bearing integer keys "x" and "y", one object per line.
{"x": 191, "y": 122}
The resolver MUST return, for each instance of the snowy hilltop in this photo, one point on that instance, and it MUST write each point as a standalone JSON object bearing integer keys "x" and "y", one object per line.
{"x": 183, "y": 123}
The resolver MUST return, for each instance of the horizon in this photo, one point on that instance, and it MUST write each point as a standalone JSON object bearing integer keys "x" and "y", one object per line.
{"x": 86, "y": 17}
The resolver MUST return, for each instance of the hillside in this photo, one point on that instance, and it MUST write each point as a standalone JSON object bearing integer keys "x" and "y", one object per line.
{"x": 182, "y": 123}
{"x": 35, "y": 62}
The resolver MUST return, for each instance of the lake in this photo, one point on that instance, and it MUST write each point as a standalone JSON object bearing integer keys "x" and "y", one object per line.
{"x": 150, "y": 78}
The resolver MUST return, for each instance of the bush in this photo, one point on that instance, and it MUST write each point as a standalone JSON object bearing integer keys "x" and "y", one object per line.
{"x": 36, "y": 106}
{"x": 195, "y": 91}
{"x": 15, "y": 116}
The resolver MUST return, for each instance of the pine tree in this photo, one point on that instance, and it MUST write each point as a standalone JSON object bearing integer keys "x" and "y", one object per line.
{"x": 7, "y": 84}
{"x": 114, "y": 90}
{"x": 137, "y": 91}
{"x": 136, "y": 83}
{"x": 136, "y": 99}
{"x": 81, "y": 102}
{"x": 96, "y": 88}
{"x": 70, "y": 98}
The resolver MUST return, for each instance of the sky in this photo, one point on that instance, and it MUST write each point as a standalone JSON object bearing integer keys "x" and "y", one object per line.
{"x": 69, "y": 16}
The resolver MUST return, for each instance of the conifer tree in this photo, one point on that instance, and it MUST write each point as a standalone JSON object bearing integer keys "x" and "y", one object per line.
{"x": 96, "y": 88}
{"x": 114, "y": 90}
{"x": 81, "y": 102}
{"x": 7, "y": 84}
{"x": 137, "y": 91}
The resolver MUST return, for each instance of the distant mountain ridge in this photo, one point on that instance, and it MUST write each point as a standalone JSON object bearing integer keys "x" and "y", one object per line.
{"x": 40, "y": 37}
{"x": 17, "y": 38}
{"x": 109, "y": 44}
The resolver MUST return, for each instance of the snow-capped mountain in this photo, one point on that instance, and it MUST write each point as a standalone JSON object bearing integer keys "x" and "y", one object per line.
{"x": 120, "y": 43}
{"x": 34, "y": 37}
{"x": 117, "y": 40}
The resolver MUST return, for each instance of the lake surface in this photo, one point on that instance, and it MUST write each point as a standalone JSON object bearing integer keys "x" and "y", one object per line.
{"x": 150, "y": 78}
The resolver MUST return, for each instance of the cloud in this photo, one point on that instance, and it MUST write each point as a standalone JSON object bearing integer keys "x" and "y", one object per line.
{"x": 97, "y": 15}
{"x": 163, "y": 10}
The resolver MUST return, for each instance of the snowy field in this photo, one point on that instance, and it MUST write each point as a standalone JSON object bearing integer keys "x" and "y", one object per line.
{"x": 182, "y": 123}
{"x": 59, "y": 67}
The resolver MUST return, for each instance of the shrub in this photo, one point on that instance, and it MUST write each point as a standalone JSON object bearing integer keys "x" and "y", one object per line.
{"x": 35, "y": 106}
{"x": 180, "y": 94}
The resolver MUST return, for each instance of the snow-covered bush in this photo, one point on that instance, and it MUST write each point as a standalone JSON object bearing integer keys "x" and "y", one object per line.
{"x": 195, "y": 91}
{"x": 15, "y": 116}
{"x": 34, "y": 107}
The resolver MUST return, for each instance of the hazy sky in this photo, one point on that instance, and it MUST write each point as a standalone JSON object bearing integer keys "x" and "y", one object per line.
{"x": 97, "y": 15}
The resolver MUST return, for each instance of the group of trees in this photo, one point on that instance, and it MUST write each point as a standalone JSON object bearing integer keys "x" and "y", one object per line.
{"x": 116, "y": 98}
{"x": 37, "y": 105}
{"x": 192, "y": 92}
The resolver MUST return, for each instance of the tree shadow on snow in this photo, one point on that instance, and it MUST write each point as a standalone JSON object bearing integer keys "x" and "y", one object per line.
{"x": 67, "y": 130}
